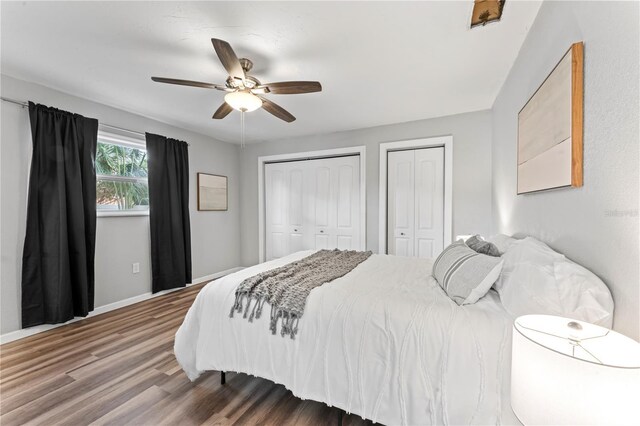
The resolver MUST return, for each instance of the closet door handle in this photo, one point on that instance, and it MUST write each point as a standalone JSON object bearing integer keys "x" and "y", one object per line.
{"x": 322, "y": 231}
{"x": 402, "y": 233}
{"x": 295, "y": 230}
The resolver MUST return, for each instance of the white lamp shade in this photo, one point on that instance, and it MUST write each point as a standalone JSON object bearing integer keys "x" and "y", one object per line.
{"x": 243, "y": 101}
{"x": 553, "y": 381}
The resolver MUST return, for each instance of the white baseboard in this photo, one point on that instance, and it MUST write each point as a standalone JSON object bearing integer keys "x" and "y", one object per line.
{"x": 21, "y": 334}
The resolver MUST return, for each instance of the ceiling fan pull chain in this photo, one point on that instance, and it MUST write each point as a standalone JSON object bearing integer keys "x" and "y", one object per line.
{"x": 242, "y": 129}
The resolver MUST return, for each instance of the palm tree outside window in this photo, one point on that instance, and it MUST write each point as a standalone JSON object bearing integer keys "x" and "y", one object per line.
{"x": 121, "y": 175}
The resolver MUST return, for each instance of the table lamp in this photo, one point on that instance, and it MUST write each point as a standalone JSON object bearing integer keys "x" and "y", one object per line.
{"x": 565, "y": 371}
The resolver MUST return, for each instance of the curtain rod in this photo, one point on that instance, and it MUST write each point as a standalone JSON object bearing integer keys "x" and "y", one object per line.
{"x": 26, "y": 104}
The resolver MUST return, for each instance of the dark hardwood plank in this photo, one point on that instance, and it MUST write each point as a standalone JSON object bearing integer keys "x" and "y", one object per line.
{"x": 118, "y": 368}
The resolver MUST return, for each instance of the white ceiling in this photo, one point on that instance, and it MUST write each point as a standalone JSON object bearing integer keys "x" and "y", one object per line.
{"x": 379, "y": 63}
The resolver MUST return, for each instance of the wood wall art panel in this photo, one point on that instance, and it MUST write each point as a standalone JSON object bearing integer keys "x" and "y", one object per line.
{"x": 550, "y": 129}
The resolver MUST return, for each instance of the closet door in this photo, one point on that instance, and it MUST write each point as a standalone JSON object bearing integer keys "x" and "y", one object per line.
{"x": 319, "y": 199}
{"x": 276, "y": 215}
{"x": 295, "y": 208}
{"x": 429, "y": 205}
{"x": 415, "y": 202}
{"x": 346, "y": 186}
{"x": 333, "y": 199}
{"x": 312, "y": 204}
{"x": 400, "y": 203}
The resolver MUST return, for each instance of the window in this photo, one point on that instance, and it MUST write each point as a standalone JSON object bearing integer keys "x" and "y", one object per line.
{"x": 121, "y": 172}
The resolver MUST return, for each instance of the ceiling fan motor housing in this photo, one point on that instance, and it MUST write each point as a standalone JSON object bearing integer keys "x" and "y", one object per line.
{"x": 249, "y": 82}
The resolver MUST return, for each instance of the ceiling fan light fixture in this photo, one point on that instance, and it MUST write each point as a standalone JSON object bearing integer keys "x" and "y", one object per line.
{"x": 243, "y": 101}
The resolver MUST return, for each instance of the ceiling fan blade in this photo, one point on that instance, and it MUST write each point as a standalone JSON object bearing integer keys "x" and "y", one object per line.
{"x": 294, "y": 87}
{"x": 188, "y": 83}
{"x": 277, "y": 110}
{"x": 223, "y": 111}
{"x": 228, "y": 58}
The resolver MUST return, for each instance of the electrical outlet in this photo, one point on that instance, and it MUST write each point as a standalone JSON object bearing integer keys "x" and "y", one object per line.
{"x": 135, "y": 267}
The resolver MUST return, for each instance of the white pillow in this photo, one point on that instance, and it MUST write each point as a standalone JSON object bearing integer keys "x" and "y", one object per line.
{"x": 503, "y": 242}
{"x": 537, "y": 280}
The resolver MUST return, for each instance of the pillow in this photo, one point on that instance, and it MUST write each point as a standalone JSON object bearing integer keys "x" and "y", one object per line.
{"x": 477, "y": 244}
{"x": 465, "y": 275}
{"x": 537, "y": 280}
{"x": 502, "y": 242}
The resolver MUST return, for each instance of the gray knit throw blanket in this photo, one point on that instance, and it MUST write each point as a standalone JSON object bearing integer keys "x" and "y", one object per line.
{"x": 286, "y": 288}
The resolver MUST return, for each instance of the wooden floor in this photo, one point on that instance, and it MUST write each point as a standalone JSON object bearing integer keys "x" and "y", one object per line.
{"x": 118, "y": 368}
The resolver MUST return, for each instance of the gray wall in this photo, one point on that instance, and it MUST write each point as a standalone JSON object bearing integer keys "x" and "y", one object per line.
{"x": 120, "y": 241}
{"x": 596, "y": 225}
{"x": 471, "y": 171}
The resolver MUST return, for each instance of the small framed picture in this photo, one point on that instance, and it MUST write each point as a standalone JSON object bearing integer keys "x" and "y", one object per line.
{"x": 212, "y": 192}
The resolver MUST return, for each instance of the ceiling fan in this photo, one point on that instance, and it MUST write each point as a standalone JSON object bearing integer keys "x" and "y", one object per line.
{"x": 245, "y": 92}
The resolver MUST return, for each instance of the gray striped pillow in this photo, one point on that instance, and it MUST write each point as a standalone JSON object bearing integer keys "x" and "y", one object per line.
{"x": 465, "y": 275}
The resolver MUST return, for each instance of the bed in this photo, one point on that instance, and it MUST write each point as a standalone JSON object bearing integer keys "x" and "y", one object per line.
{"x": 384, "y": 342}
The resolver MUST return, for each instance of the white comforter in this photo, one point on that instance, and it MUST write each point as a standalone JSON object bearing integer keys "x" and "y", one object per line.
{"x": 384, "y": 342}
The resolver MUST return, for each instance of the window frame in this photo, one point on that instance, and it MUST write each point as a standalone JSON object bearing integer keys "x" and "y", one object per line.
{"x": 129, "y": 142}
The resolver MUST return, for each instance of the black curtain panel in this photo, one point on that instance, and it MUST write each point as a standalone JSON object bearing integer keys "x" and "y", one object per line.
{"x": 59, "y": 246}
{"x": 168, "y": 161}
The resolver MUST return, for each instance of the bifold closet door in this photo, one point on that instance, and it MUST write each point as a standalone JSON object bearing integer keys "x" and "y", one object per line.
{"x": 429, "y": 195}
{"x": 415, "y": 202}
{"x": 400, "y": 202}
{"x": 276, "y": 217}
{"x": 312, "y": 204}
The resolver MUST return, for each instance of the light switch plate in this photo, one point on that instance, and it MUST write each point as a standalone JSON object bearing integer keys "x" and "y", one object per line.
{"x": 135, "y": 267}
